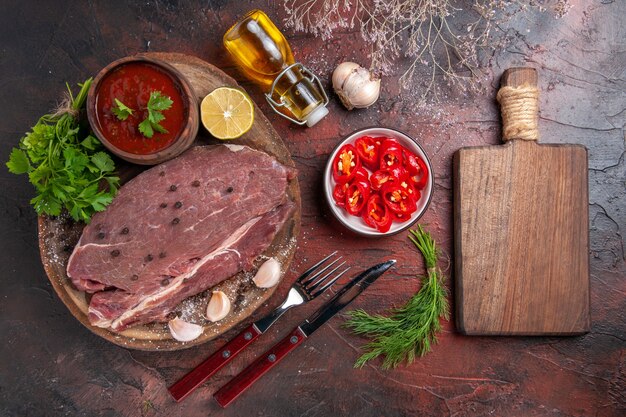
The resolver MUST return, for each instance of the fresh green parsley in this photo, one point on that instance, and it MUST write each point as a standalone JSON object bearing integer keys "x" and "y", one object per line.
{"x": 68, "y": 168}
{"x": 156, "y": 104}
{"x": 121, "y": 110}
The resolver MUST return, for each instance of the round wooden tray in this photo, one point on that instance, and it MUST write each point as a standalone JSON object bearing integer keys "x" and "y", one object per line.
{"x": 58, "y": 236}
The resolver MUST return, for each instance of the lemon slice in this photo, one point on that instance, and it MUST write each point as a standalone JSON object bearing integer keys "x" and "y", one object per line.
{"x": 227, "y": 113}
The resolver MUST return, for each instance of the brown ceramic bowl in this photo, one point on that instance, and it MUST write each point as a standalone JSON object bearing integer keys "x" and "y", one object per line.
{"x": 187, "y": 112}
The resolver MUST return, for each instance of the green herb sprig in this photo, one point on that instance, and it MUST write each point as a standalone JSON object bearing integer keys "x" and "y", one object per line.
{"x": 410, "y": 331}
{"x": 67, "y": 167}
{"x": 121, "y": 110}
{"x": 156, "y": 104}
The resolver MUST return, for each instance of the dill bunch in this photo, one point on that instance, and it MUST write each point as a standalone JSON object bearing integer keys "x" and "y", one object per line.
{"x": 410, "y": 331}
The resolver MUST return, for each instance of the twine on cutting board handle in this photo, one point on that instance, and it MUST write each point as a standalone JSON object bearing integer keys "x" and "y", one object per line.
{"x": 519, "y": 104}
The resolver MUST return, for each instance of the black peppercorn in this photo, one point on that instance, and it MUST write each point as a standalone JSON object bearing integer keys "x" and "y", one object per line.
{"x": 163, "y": 205}
{"x": 196, "y": 183}
{"x": 134, "y": 278}
{"x": 149, "y": 257}
{"x": 229, "y": 190}
{"x": 176, "y": 220}
{"x": 115, "y": 253}
{"x": 162, "y": 174}
{"x": 173, "y": 187}
{"x": 178, "y": 204}
{"x": 124, "y": 231}
{"x": 101, "y": 235}
{"x": 165, "y": 281}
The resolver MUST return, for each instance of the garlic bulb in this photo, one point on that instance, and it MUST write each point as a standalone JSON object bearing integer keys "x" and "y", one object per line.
{"x": 218, "y": 307}
{"x": 268, "y": 274}
{"x": 183, "y": 331}
{"x": 355, "y": 85}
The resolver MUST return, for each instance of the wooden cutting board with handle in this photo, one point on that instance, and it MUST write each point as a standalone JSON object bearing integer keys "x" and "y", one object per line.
{"x": 521, "y": 226}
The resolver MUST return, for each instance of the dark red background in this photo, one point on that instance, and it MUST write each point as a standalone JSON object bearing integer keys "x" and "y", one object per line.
{"x": 51, "y": 365}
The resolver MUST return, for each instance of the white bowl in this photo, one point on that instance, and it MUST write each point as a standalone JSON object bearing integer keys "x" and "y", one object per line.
{"x": 356, "y": 224}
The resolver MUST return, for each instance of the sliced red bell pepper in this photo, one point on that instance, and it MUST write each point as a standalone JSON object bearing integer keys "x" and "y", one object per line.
{"x": 367, "y": 148}
{"x": 417, "y": 169}
{"x": 339, "y": 194}
{"x": 346, "y": 164}
{"x": 362, "y": 176}
{"x": 384, "y": 176}
{"x": 398, "y": 199}
{"x": 390, "y": 154}
{"x": 376, "y": 214}
{"x": 401, "y": 217}
{"x": 413, "y": 192}
{"x": 420, "y": 181}
{"x": 356, "y": 197}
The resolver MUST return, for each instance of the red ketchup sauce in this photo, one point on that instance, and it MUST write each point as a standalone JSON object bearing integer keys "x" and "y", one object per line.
{"x": 132, "y": 84}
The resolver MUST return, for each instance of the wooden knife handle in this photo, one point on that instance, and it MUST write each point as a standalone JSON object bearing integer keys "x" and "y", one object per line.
{"x": 264, "y": 363}
{"x": 213, "y": 363}
{"x": 519, "y": 104}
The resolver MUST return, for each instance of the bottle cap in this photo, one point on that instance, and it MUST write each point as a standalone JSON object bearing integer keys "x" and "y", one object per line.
{"x": 316, "y": 115}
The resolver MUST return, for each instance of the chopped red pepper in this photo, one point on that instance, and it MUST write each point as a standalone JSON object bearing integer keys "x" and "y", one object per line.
{"x": 383, "y": 176}
{"x": 356, "y": 197}
{"x": 362, "y": 176}
{"x": 367, "y": 148}
{"x": 346, "y": 164}
{"x": 376, "y": 214}
{"x": 390, "y": 154}
{"x": 417, "y": 169}
{"x": 398, "y": 199}
{"x": 409, "y": 188}
{"x": 339, "y": 194}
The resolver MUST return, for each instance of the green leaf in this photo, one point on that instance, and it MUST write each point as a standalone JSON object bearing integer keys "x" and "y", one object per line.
{"x": 121, "y": 110}
{"x": 100, "y": 201}
{"x": 114, "y": 183}
{"x": 91, "y": 143}
{"x": 39, "y": 176}
{"x": 89, "y": 192}
{"x": 78, "y": 214}
{"x": 103, "y": 161}
{"x": 46, "y": 203}
{"x": 159, "y": 102}
{"x": 145, "y": 128}
{"x": 155, "y": 116}
{"x": 159, "y": 128}
{"x": 18, "y": 162}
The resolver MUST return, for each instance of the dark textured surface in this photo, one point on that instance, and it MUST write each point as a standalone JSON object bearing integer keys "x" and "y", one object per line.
{"x": 51, "y": 365}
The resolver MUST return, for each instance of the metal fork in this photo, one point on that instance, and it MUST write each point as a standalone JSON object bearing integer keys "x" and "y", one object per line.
{"x": 312, "y": 283}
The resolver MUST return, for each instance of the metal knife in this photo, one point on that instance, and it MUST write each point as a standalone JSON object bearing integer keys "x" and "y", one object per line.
{"x": 225, "y": 395}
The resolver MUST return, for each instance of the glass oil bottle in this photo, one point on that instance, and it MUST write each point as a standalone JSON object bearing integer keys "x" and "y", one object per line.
{"x": 264, "y": 55}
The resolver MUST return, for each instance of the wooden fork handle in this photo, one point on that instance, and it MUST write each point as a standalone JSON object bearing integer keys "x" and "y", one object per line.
{"x": 213, "y": 363}
{"x": 264, "y": 363}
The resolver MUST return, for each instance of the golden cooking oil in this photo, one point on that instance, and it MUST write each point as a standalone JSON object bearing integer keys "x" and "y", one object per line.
{"x": 264, "y": 55}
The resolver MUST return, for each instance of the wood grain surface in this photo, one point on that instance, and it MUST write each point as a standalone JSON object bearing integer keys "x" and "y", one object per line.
{"x": 51, "y": 365}
{"x": 58, "y": 236}
{"x": 521, "y": 236}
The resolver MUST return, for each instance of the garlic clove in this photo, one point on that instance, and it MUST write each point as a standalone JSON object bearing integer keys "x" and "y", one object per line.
{"x": 184, "y": 331}
{"x": 218, "y": 307}
{"x": 268, "y": 274}
{"x": 341, "y": 73}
